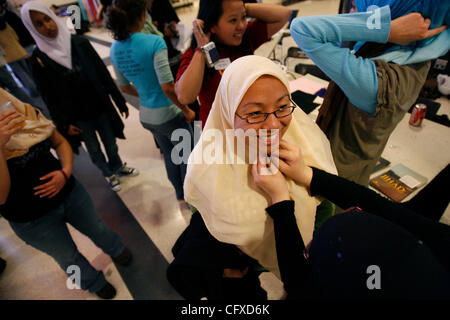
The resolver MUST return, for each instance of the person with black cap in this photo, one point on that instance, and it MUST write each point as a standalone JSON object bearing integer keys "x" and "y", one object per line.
{"x": 377, "y": 249}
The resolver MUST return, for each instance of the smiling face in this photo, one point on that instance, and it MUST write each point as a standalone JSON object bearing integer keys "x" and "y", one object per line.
{"x": 267, "y": 94}
{"x": 232, "y": 24}
{"x": 45, "y": 25}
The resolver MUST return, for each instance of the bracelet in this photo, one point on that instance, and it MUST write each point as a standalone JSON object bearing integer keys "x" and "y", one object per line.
{"x": 199, "y": 49}
{"x": 65, "y": 175}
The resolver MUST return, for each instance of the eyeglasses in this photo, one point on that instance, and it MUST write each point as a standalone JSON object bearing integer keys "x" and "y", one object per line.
{"x": 258, "y": 117}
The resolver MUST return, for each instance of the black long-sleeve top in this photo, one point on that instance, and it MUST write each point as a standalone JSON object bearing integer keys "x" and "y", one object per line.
{"x": 295, "y": 270}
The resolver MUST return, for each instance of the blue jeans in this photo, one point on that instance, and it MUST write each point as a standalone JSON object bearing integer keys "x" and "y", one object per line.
{"x": 89, "y": 136}
{"x": 50, "y": 234}
{"x": 7, "y": 82}
{"x": 23, "y": 72}
{"x": 163, "y": 134}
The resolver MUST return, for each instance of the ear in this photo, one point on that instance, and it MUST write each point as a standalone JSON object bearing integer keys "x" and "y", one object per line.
{"x": 213, "y": 29}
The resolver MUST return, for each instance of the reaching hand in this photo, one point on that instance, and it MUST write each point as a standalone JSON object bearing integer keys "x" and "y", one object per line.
{"x": 292, "y": 164}
{"x": 271, "y": 181}
{"x": 53, "y": 186}
{"x": 412, "y": 27}
{"x": 9, "y": 124}
{"x": 200, "y": 36}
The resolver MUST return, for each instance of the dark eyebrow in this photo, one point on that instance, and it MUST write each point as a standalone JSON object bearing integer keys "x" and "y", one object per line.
{"x": 262, "y": 104}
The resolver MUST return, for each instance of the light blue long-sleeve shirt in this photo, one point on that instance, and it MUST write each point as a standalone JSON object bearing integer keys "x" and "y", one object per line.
{"x": 318, "y": 37}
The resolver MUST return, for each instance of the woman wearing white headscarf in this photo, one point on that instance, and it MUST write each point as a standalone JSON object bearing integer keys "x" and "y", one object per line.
{"x": 77, "y": 87}
{"x": 232, "y": 207}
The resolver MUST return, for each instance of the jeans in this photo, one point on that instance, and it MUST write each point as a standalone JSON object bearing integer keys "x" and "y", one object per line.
{"x": 50, "y": 234}
{"x": 23, "y": 72}
{"x": 162, "y": 134}
{"x": 89, "y": 136}
{"x": 7, "y": 82}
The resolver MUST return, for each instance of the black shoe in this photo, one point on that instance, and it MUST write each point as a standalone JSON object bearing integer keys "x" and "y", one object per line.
{"x": 2, "y": 265}
{"x": 124, "y": 259}
{"x": 107, "y": 292}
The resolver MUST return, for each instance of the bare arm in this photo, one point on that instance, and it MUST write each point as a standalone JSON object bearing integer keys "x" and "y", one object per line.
{"x": 190, "y": 83}
{"x": 275, "y": 16}
{"x": 7, "y": 128}
{"x": 64, "y": 151}
{"x": 129, "y": 89}
{"x": 169, "y": 91}
{"x": 54, "y": 181}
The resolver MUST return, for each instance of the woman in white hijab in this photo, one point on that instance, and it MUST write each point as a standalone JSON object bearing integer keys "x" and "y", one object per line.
{"x": 76, "y": 86}
{"x": 253, "y": 99}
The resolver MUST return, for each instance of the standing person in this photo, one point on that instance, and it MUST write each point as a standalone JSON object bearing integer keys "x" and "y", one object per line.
{"x": 377, "y": 249}
{"x": 15, "y": 53}
{"x": 231, "y": 208}
{"x": 8, "y": 82}
{"x": 225, "y": 23}
{"x": 373, "y": 89}
{"x": 143, "y": 69}
{"x": 39, "y": 195}
{"x": 76, "y": 87}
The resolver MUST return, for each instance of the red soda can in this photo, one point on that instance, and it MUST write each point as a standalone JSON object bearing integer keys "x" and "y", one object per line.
{"x": 417, "y": 115}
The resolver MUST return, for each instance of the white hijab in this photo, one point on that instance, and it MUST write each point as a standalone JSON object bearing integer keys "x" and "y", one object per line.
{"x": 58, "y": 49}
{"x": 232, "y": 207}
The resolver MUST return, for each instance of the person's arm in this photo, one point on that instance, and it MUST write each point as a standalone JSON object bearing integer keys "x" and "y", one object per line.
{"x": 43, "y": 75}
{"x": 275, "y": 16}
{"x": 8, "y": 126}
{"x": 347, "y": 194}
{"x": 124, "y": 85}
{"x": 64, "y": 151}
{"x": 165, "y": 78}
{"x": 54, "y": 181}
{"x": 296, "y": 273}
{"x": 318, "y": 37}
{"x": 108, "y": 83}
{"x": 192, "y": 67}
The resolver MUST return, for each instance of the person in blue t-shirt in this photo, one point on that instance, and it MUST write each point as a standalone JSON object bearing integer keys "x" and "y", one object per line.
{"x": 142, "y": 68}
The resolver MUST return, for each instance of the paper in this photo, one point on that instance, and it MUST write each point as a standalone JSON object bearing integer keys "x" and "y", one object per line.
{"x": 306, "y": 85}
{"x": 410, "y": 181}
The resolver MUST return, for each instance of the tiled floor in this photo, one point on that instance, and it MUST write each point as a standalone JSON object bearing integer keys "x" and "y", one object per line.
{"x": 151, "y": 199}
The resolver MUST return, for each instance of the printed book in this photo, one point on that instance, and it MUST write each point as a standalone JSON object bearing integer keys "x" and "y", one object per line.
{"x": 398, "y": 182}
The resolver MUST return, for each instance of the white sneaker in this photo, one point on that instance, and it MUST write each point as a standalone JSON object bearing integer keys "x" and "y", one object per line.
{"x": 127, "y": 171}
{"x": 114, "y": 183}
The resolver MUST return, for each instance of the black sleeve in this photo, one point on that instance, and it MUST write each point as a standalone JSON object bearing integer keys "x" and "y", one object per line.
{"x": 51, "y": 96}
{"x": 295, "y": 270}
{"x": 108, "y": 83}
{"x": 348, "y": 194}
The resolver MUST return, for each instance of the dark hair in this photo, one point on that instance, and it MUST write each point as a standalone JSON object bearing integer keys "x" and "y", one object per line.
{"x": 210, "y": 12}
{"x": 122, "y": 15}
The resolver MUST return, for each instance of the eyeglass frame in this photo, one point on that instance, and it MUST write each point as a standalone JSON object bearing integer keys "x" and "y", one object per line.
{"x": 269, "y": 113}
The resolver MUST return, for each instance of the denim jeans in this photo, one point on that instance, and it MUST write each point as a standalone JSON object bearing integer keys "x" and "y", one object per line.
{"x": 7, "y": 82}
{"x": 23, "y": 72}
{"x": 50, "y": 234}
{"x": 163, "y": 134}
{"x": 89, "y": 136}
